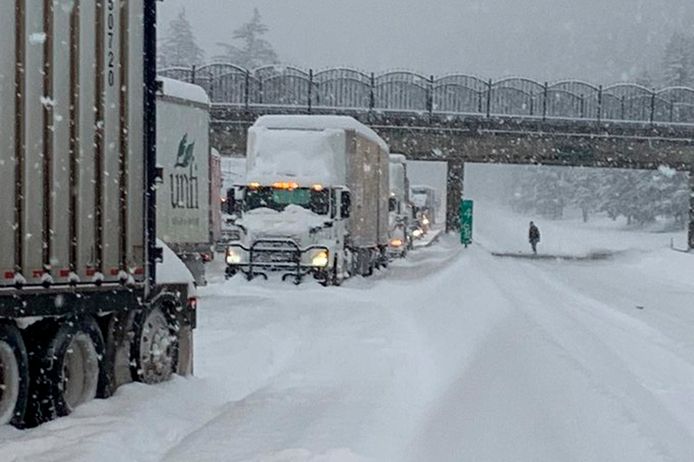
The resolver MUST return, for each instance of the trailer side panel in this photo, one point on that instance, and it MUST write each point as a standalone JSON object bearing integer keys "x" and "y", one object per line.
{"x": 71, "y": 142}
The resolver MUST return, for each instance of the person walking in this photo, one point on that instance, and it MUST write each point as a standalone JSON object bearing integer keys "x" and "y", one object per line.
{"x": 533, "y": 237}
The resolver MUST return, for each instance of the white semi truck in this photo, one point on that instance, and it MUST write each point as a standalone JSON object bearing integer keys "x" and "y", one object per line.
{"x": 84, "y": 306}
{"x": 315, "y": 200}
{"x": 183, "y": 155}
{"x": 426, "y": 203}
{"x": 400, "y": 209}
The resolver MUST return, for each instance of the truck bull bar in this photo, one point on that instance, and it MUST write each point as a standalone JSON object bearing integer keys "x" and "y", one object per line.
{"x": 275, "y": 255}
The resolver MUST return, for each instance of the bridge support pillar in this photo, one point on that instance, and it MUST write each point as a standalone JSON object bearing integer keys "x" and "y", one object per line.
{"x": 456, "y": 174}
{"x": 691, "y": 211}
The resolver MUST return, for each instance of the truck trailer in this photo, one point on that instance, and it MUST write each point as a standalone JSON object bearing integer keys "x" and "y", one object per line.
{"x": 184, "y": 157}
{"x": 315, "y": 200}
{"x": 82, "y": 306}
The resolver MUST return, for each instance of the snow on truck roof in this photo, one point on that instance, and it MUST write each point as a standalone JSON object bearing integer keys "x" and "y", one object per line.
{"x": 323, "y": 122}
{"x": 304, "y": 156}
{"x": 398, "y": 159}
{"x": 183, "y": 90}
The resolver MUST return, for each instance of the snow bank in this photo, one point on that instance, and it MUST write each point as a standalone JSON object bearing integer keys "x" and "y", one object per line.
{"x": 320, "y": 123}
{"x": 293, "y": 221}
{"x": 183, "y": 90}
{"x": 303, "y": 156}
{"x": 172, "y": 270}
{"x": 450, "y": 355}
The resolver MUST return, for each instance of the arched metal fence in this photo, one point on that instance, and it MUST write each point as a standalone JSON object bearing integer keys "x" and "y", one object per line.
{"x": 409, "y": 92}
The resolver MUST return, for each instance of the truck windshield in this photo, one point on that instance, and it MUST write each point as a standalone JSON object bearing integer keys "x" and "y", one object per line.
{"x": 278, "y": 199}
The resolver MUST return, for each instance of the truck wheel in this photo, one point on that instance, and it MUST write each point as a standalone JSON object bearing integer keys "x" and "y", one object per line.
{"x": 14, "y": 376}
{"x": 155, "y": 347}
{"x": 69, "y": 369}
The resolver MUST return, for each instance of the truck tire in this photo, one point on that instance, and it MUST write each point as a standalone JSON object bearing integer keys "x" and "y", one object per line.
{"x": 69, "y": 369}
{"x": 154, "y": 351}
{"x": 14, "y": 376}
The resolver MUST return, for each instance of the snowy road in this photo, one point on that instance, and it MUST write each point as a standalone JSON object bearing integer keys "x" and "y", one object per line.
{"x": 450, "y": 356}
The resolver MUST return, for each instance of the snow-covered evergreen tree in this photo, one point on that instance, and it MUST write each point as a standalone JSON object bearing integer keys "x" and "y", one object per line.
{"x": 583, "y": 194}
{"x": 179, "y": 47}
{"x": 645, "y": 79}
{"x": 253, "y": 50}
{"x": 678, "y": 64}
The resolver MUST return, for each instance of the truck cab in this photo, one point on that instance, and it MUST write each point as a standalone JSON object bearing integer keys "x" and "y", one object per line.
{"x": 425, "y": 201}
{"x": 288, "y": 228}
{"x": 296, "y": 213}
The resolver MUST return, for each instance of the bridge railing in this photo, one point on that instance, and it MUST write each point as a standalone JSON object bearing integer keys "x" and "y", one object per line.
{"x": 403, "y": 91}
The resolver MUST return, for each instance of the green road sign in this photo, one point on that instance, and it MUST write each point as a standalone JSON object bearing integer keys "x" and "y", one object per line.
{"x": 465, "y": 222}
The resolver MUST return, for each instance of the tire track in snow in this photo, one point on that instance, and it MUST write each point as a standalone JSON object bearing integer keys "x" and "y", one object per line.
{"x": 561, "y": 314}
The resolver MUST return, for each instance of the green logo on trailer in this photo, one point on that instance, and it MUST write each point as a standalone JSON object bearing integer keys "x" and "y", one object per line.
{"x": 184, "y": 182}
{"x": 466, "y": 222}
{"x": 186, "y": 153}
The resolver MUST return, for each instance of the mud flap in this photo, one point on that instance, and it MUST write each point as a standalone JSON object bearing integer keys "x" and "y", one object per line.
{"x": 185, "y": 351}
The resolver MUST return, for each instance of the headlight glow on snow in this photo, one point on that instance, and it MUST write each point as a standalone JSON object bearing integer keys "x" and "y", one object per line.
{"x": 233, "y": 258}
{"x": 320, "y": 260}
{"x": 417, "y": 233}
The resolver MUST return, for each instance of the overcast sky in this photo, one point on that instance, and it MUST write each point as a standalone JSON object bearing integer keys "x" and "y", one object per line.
{"x": 597, "y": 40}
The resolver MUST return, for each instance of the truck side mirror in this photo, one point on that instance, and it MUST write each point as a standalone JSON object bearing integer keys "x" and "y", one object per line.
{"x": 392, "y": 204}
{"x": 346, "y": 205}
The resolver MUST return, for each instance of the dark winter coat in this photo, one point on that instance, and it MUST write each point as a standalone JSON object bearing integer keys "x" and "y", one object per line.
{"x": 534, "y": 234}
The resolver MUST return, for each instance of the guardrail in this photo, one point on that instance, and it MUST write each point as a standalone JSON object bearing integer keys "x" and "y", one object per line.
{"x": 404, "y": 91}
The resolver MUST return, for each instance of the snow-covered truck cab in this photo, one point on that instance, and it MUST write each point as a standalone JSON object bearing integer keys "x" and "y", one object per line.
{"x": 399, "y": 208}
{"x": 425, "y": 203}
{"x": 315, "y": 200}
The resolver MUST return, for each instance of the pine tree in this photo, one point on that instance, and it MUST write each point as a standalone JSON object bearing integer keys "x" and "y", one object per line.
{"x": 645, "y": 79}
{"x": 583, "y": 194}
{"x": 254, "y": 51}
{"x": 179, "y": 47}
{"x": 678, "y": 64}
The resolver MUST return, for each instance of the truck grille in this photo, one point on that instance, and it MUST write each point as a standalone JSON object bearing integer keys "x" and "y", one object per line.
{"x": 274, "y": 257}
{"x": 276, "y": 253}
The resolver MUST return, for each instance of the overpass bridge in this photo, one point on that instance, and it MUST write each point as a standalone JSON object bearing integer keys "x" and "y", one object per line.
{"x": 459, "y": 119}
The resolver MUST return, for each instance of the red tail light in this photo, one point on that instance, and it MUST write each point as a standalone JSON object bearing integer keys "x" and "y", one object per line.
{"x": 193, "y": 303}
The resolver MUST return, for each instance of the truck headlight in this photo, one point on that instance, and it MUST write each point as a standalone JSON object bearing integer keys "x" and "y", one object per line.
{"x": 233, "y": 257}
{"x": 425, "y": 221}
{"x": 320, "y": 259}
{"x": 396, "y": 242}
{"x": 417, "y": 233}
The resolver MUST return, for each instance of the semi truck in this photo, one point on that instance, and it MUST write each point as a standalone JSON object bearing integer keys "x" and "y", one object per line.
{"x": 184, "y": 220}
{"x": 84, "y": 304}
{"x": 426, "y": 203}
{"x": 400, "y": 215}
{"x": 314, "y": 202}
